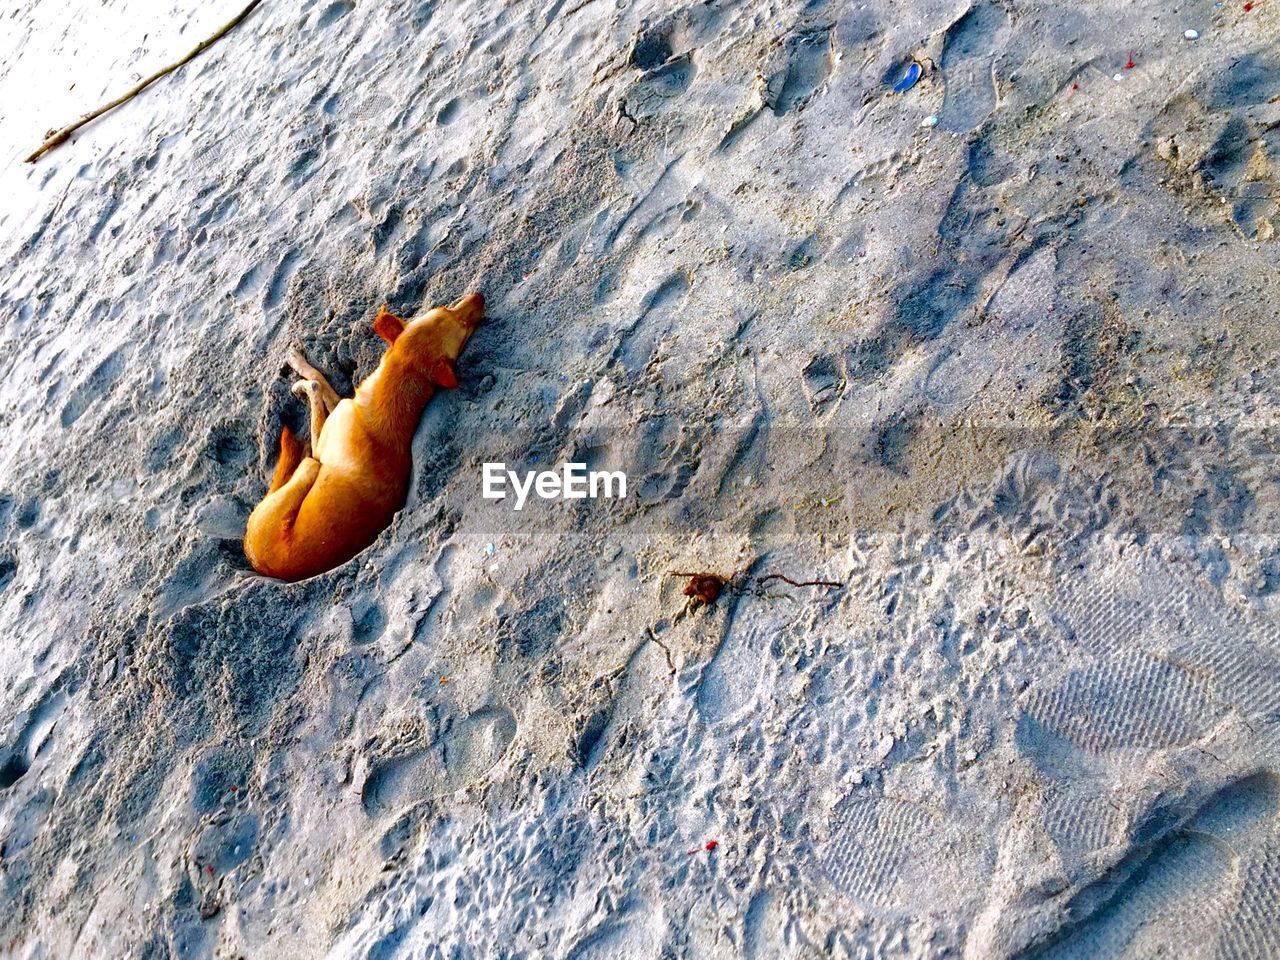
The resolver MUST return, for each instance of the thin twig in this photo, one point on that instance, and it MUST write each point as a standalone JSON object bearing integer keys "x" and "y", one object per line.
{"x": 671, "y": 665}
{"x": 795, "y": 583}
{"x": 64, "y": 134}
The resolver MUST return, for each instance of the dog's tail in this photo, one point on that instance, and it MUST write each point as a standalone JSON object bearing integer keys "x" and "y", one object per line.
{"x": 291, "y": 453}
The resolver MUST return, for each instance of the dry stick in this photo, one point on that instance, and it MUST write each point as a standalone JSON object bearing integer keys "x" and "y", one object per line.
{"x": 794, "y": 583}
{"x": 671, "y": 664}
{"x": 62, "y": 135}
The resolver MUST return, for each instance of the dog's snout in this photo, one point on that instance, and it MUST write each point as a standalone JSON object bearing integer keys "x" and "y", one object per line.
{"x": 470, "y": 307}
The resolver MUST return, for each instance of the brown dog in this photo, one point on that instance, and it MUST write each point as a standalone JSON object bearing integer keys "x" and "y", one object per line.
{"x": 328, "y": 504}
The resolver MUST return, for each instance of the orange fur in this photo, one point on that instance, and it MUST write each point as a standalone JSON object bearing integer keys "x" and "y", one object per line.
{"x": 324, "y": 508}
{"x": 290, "y": 457}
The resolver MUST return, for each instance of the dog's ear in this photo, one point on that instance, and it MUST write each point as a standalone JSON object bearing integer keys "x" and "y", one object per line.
{"x": 387, "y": 325}
{"x": 442, "y": 374}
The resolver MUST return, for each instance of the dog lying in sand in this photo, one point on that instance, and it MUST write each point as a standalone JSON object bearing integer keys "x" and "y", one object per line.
{"x": 329, "y": 502}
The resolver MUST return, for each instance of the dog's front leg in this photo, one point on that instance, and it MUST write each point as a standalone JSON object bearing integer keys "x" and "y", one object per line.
{"x": 298, "y": 362}
{"x": 314, "y": 393}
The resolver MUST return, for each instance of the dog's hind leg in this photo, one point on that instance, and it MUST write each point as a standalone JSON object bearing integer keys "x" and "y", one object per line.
{"x": 282, "y": 506}
{"x": 314, "y": 393}
{"x": 291, "y": 454}
{"x": 268, "y": 540}
{"x": 298, "y": 362}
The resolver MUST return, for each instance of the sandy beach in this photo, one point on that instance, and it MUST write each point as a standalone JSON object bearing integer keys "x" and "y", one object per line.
{"x": 993, "y": 357}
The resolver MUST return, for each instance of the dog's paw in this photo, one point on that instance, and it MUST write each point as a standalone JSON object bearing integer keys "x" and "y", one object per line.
{"x": 306, "y": 390}
{"x": 297, "y": 359}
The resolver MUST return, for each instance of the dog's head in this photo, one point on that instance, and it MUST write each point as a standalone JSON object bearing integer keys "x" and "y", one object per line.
{"x": 433, "y": 341}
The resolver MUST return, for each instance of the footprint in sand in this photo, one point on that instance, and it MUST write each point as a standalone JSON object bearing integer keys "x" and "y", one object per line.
{"x": 894, "y": 856}
{"x": 468, "y": 749}
{"x": 967, "y": 57}
{"x": 1206, "y": 888}
{"x": 32, "y": 739}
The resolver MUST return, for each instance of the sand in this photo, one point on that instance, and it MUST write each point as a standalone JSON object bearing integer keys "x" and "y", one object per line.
{"x": 997, "y": 355}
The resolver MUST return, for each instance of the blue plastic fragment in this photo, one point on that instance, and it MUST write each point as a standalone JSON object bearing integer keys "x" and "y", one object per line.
{"x": 909, "y": 79}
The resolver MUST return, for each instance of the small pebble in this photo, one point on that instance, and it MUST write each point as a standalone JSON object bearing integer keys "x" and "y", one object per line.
{"x": 1192, "y": 34}
{"x": 929, "y": 121}
{"x": 1118, "y": 77}
{"x": 489, "y": 548}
